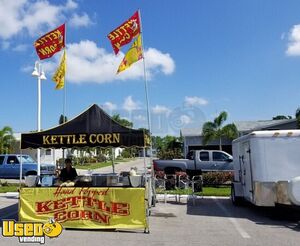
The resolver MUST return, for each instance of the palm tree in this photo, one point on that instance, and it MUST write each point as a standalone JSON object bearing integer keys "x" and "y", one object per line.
{"x": 297, "y": 115}
{"x": 214, "y": 130}
{"x": 6, "y": 139}
{"x": 122, "y": 121}
{"x": 62, "y": 119}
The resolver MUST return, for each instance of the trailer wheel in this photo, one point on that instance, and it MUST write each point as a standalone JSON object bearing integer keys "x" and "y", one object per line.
{"x": 236, "y": 200}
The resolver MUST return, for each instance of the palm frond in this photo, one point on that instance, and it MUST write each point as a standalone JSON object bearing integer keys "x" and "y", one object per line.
{"x": 220, "y": 119}
{"x": 208, "y": 132}
{"x": 230, "y": 131}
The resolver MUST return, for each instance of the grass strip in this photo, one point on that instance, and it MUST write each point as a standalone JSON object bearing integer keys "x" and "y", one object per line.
{"x": 9, "y": 188}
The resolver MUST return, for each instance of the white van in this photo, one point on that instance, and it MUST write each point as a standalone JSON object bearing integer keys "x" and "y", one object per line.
{"x": 267, "y": 168}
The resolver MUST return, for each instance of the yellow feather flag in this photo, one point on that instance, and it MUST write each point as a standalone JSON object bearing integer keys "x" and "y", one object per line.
{"x": 134, "y": 54}
{"x": 59, "y": 76}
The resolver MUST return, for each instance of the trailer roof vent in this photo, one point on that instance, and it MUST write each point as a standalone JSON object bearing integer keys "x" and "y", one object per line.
{"x": 276, "y": 134}
{"x": 289, "y": 134}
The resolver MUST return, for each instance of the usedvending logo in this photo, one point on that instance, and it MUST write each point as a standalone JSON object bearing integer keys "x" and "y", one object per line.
{"x": 31, "y": 232}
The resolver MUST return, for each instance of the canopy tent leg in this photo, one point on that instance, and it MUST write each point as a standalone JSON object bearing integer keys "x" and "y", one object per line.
{"x": 144, "y": 154}
{"x": 113, "y": 159}
{"x": 21, "y": 169}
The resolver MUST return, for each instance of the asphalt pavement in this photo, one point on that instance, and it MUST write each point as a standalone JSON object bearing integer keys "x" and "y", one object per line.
{"x": 203, "y": 221}
{"x": 208, "y": 221}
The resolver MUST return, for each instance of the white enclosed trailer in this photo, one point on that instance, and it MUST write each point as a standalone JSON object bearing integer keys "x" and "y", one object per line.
{"x": 267, "y": 168}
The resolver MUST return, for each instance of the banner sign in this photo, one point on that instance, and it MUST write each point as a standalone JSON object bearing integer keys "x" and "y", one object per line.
{"x": 123, "y": 34}
{"x": 83, "y": 139}
{"x": 85, "y": 207}
{"x": 50, "y": 43}
{"x": 60, "y": 73}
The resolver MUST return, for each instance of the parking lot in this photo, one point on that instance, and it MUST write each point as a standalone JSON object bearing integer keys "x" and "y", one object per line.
{"x": 211, "y": 221}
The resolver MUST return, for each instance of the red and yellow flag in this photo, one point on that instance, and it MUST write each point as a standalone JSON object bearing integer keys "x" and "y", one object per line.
{"x": 123, "y": 34}
{"x": 50, "y": 43}
{"x": 134, "y": 54}
{"x": 60, "y": 74}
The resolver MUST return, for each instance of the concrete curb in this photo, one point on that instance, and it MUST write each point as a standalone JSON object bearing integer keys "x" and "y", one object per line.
{"x": 10, "y": 194}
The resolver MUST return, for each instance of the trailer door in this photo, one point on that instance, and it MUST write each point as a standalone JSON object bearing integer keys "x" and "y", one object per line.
{"x": 246, "y": 171}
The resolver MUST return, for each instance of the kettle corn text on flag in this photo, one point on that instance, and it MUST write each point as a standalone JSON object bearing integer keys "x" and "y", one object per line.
{"x": 127, "y": 31}
{"x": 50, "y": 43}
{"x": 134, "y": 54}
{"x": 59, "y": 76}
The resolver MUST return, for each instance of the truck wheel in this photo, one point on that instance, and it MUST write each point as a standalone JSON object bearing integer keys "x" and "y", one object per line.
{"x": 236, "y": 200}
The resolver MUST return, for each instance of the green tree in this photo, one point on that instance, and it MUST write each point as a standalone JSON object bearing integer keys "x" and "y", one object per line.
{"x": 297, "y": 114}
{"x": 214, "y": 130}
{"x": 168, "y": 147}
{"x": 6, "y": 140}
{"x": 62, "y": 119}
{"x": 123, "y": 122}
{"x": 282, "y": 117}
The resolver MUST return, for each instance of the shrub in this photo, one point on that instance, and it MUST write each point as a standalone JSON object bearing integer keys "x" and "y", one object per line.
{"x": 170, "y": 154}
{"x": 217, "y": 178}
{"x": 3, "y": 183}
{"x": 101, "y": 158}
{"x": 126, "y": 153}
{"x": 160, "y": 174}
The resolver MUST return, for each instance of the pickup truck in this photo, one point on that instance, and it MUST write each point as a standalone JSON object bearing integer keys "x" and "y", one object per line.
{"x": 10, "y": 166}
{"x": 199, "y": 161}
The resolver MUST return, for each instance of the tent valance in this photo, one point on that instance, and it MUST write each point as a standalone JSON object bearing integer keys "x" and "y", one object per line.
{"x": 92, "y": 128}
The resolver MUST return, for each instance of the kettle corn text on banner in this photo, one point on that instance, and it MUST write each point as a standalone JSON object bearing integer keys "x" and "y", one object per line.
{"x": 85, "y": 207}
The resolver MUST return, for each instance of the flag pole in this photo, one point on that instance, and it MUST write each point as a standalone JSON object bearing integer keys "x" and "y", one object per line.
{"x": 146, "y": 87}
{"x": 65, "y": 86}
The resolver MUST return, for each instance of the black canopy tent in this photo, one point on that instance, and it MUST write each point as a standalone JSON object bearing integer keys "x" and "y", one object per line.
{"x": 92, "y": 128}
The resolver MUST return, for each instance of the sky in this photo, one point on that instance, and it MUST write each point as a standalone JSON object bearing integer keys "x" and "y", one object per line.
{"x": 201, "y": 56}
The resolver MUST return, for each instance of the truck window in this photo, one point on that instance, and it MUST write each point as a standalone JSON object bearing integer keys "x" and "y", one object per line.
{"x": 12, "y": 160}
{"x": 204, "y": 156}
{"x": 219, "y": 156}
{"x": 1, "y": 160}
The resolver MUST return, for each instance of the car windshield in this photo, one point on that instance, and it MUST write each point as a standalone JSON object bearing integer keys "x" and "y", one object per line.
{"x": 25, "y": 159}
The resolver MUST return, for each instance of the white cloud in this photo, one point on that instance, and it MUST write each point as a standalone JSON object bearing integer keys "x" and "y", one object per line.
{"x": 71, "y": 4}
{"x": 293, "y": 48}
{"x": 20, "y": 48}
{"x": 34, "y": 17}
{"x": 109, "y": 106}
{"x": 185, "y": 119}
{"x": 88, "y": 63}
{"x": 139, "y": 118}
{"x": 154, "y": 58}
{"x": 79, "y": 21}
{"x": 130, "y": 105}
{"x": 195, "y": 101}
{"x": 160, "y": 109}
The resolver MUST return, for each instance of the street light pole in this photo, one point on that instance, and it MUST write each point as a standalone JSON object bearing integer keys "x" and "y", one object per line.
{"x": 39, "y": 73}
